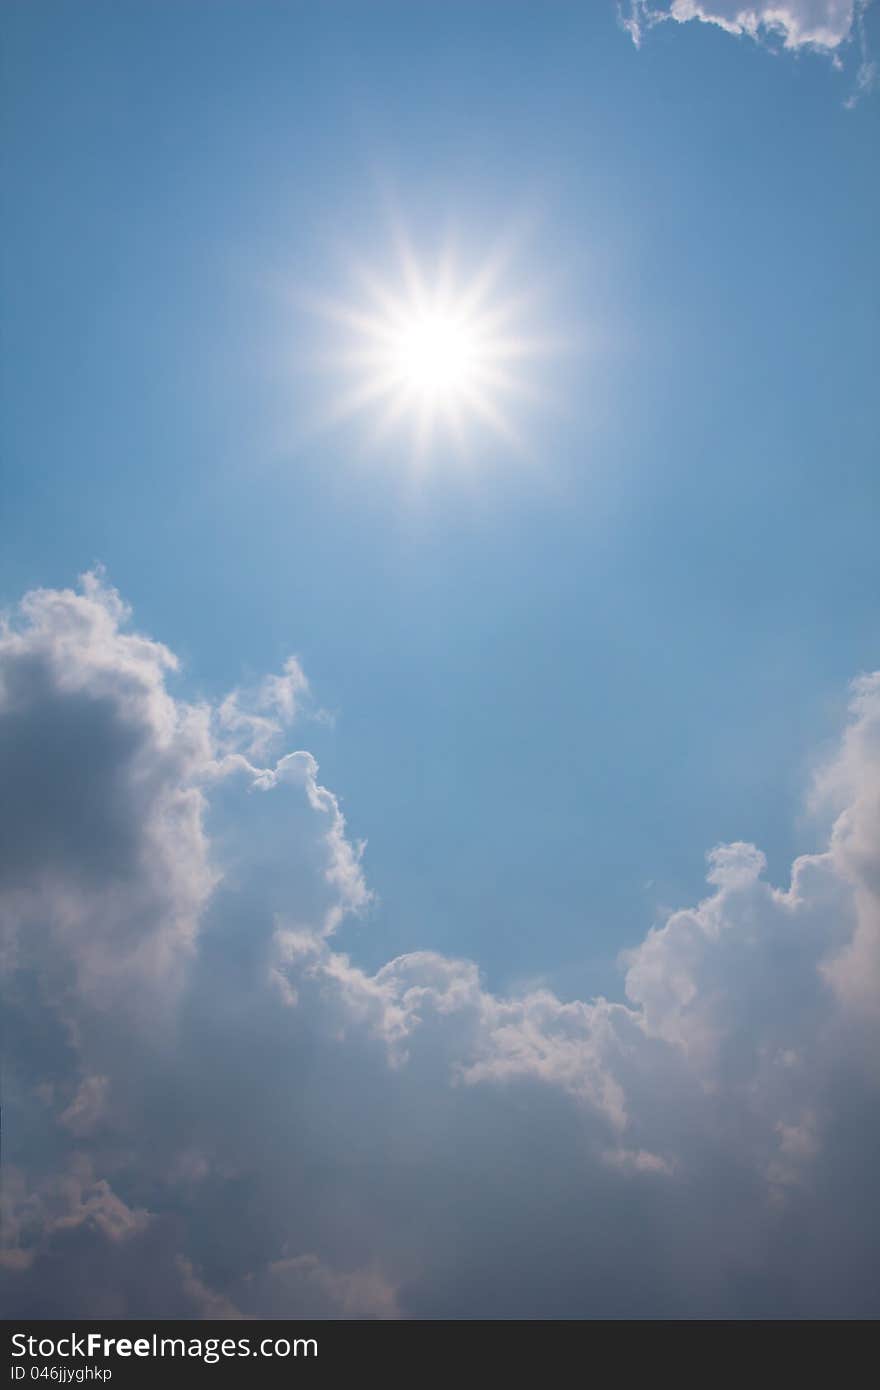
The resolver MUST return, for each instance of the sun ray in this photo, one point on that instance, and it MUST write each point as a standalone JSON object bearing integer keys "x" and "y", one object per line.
{"x": 439, "y": 353}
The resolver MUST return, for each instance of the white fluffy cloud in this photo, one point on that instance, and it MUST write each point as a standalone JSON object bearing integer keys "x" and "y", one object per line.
{"x": 818, "y": 24}
{"x": 214, "y": 1112}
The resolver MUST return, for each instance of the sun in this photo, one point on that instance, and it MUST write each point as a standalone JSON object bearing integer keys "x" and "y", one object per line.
{"x": 434, "y": 353}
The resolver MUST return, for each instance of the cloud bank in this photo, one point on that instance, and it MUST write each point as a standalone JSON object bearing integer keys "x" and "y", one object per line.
{"x": 212, "y": 1111}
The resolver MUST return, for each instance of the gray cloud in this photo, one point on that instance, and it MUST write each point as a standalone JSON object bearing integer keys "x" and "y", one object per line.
{"x": 101, "y": 822}
{"x": 214, "y": 1112}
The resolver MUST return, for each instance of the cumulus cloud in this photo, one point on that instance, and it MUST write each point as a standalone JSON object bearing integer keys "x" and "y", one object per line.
{"x": 102, "y": 844}
{"x": 835, "y": 28}
{"x": 74, "y": 1249}
{"x": 253, "y": 721}
{"x": 822, "y": 25}
{"x": 283, "y": 1133}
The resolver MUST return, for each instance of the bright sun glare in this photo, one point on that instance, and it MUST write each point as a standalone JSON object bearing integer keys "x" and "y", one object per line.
{"x": 434, "y": 354}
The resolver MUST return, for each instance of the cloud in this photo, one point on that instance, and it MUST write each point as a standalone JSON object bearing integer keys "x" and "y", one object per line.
{"x": 850, "y": 784}
{"x": 822, "y": 25}
{"x": 123, "y": 1258}
{"x": 213, "y": 1111}
{"x": 102, "y": 844}
{"x": 252, "y": 722}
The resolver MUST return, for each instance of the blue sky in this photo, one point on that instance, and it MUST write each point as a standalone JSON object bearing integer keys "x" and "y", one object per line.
{"x": 654, "y": 624}
{"x": 556, "y": 680}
